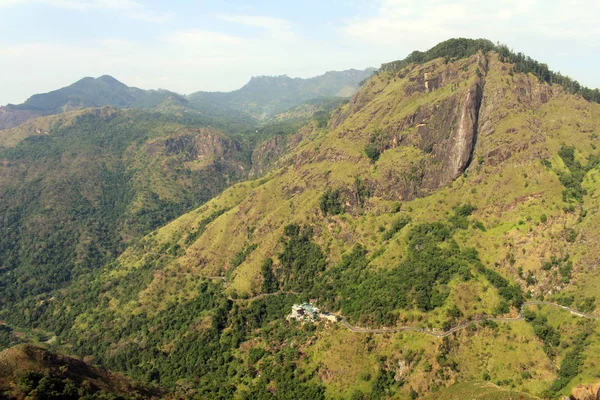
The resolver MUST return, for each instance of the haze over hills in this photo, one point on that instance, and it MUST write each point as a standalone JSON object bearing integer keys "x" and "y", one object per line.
{"x": 261, "y": 97}
{"x": 447, "y": 214}
{"x": 87, "y": 92}
{"x": 266, "y": 95}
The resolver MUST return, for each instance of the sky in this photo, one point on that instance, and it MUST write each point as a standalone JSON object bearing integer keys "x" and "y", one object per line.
{"x": 187, "y": 46}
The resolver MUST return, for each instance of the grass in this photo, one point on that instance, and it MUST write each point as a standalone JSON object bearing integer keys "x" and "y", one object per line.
{"x": 510, "y": 195}
{"x": 478, "y": 391}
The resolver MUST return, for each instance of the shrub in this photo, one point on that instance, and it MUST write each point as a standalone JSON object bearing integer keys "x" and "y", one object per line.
{"x": 331, "y": 202}
{"x": 372, "y": 152}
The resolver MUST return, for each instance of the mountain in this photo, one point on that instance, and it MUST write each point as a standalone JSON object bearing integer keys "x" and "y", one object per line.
{"x": 76, "y": 188}
{"x": 444, "y": 221}
{"x": 264, "y": 96}
{"x": 85, "y": 93}
{"x": 28, "y": 372}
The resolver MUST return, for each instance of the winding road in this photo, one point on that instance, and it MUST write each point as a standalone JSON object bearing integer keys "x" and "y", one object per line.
{"x": 464, "y": 325}
{"x": 438, "y": 334}
{"x": 260, "y": 296}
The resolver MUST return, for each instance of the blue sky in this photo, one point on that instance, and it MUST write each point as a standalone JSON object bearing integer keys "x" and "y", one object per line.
{"x": 187, "y": 46}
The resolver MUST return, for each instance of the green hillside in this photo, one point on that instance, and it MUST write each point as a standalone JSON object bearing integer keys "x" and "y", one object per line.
{"x": 30, "y": 372}
{"x": 447, "y": 215}
{"x": 78, "y": 188}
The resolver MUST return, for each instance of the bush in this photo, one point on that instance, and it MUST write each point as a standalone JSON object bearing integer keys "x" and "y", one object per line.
{"x": 331, "y": 202}
{"x": 396, "y": 227}
{"x": 372, "y": 152}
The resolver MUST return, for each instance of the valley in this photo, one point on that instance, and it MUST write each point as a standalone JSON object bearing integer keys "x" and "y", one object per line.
{"x": 446, "y": 213}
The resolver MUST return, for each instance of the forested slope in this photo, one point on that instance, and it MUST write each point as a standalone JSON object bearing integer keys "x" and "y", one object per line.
{"x": 448, "y": 188}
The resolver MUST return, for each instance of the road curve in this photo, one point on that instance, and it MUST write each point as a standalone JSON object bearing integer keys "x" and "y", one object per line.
{"x": 438, "y": 334}
{"x": 261, "y": 296}
{"x": 464, "y": 325}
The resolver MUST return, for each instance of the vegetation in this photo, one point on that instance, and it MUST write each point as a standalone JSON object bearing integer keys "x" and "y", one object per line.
{"x": 454, "y": 49}
{"x": 372, "y": 152}
{"x": 331, "y": 202}
{"x": 301, "y": 259}
{"x": 547, "y": 334}
{"x": 7, "y": 338}
{"x": 569, "y": 367}
{"x": 75, "y": 196}
{"x": 411, "y": 250}
{"x": 572, "y": 180}
{"x": 397, "y": 226}
{"x": 37, "y": 385}
{"x": 241, "y": 256}
{"x": 270, "y": 283}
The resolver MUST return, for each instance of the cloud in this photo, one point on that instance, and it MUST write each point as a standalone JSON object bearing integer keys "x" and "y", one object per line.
{"x": 205, "y": 55}
{"x": 130, "y": 8}
{"x": 430, "y": 21}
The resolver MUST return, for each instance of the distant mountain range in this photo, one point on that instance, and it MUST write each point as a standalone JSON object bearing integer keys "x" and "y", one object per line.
{"x": 437, "y": 212}
{"x": 261, "y": 97}
{"x": 264, "y": 96}
{"x": 87, "y": 92}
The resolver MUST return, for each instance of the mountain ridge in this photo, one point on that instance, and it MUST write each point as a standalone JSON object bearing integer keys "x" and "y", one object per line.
{"x": 443, "y": 191}
{"x": 108, "y": 91}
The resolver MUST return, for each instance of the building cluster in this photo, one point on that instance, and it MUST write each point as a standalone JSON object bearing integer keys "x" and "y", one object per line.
{"x": 306, "y": 312}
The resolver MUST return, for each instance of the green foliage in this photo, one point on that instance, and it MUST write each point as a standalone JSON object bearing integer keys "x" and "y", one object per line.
{"x": 570, "y": 235}
{"x": 547, "y": 334}
{"x": 563, "y": 264}
{"x": 384, "y": 385}
{"x": 396, "y": 207}
{"x": 331, "y": 202}
{"x": 397, "y": 226}
{"x": 7, "y": 338}
{"x": 479, "y": 225}
{"x": 361, "y": 190}
{"x": 569, "y": 367}
{"x": 55, "y": 386}
{"x": 74, "y": 198}
{"x": 270, "y": 283}
{"x": 301, "y": 259}
{"x": 368, "y": 296}
{"x": 511, "y": 293}
{"x": 587, "y": 305}
{"x": 196, "y": 233}
{"x": 461, "y": 213}
{"x": 241, "y": 256}
{"x": 573, "y": 179}
{"x": 454, "y": 49}
{"x": 546, "y": 163}
{"x": 372, "y": 152}
{"x": 203, "y": 337}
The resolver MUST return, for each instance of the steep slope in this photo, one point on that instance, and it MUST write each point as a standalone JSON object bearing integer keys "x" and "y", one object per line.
{"x": 265, "y": 96}
{"x": 31, "y": 372}
{"x": 82, "y": 185}
{"x": 85, "y": 93}
{"x": 445, "y": 191}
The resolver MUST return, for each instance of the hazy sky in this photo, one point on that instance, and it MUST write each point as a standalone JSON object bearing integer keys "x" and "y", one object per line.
{"x": 186, "y": 46}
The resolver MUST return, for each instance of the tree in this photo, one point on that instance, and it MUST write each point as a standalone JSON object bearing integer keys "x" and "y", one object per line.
{"x": 270, "y": 284}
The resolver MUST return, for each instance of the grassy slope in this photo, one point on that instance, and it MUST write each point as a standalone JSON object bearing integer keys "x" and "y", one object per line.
{"x": 521, "y": 122}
